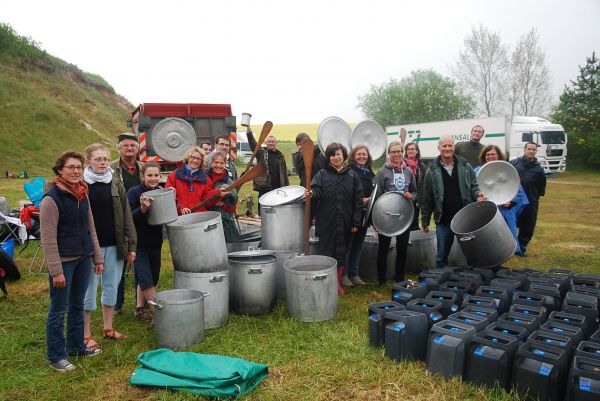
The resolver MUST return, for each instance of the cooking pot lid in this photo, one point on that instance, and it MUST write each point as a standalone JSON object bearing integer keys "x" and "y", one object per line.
{"x": 334, "y": 129}
{"x": 171, "y": 138}
{"x": 499, "y": 181}
{"x": 282, "y": 196}
{"x": 392, "y": 214}
{"x": 369, "y": 206}
{"x": 252, "y": 256}
{"x": 371, "y": 134}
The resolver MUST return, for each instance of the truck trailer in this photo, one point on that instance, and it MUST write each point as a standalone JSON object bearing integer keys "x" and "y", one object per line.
{"x": 163, "y": 125}
{"x": 510, "y": 134}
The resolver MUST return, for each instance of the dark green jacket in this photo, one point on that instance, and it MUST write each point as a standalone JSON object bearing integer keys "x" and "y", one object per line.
{"x": 433, "y": 188}
{"x": 125, "y": 233}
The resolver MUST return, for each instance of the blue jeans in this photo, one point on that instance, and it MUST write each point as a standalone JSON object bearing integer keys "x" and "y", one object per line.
{"x": 356, "y": 244}
{"x": 68, "y": 300}
{"x": 445, "y": 238}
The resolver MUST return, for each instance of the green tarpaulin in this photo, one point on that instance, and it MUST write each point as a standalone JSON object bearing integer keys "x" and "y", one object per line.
{"x": 209, "y": 375}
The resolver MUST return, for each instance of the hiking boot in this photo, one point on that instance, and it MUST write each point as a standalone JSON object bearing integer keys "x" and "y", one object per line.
{"x": 87, "y": 353}
{"x": 62, "y": 365}
{"x": 357, "y": 281}
{"x": 346, "y": 282}
{"x": 142, "y": 313}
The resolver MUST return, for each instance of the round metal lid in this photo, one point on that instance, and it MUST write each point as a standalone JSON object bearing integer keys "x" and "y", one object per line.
{"x": 282, "y": 196}
{"x": 499, "y": 181}
{"x": 171, "y": 137}
{"x": 369, "y": 206}
{"x": 392, "y": 214}
{"x": 334, "y": 129}
{"x": 252, "y": 256}
{"x": 371, "y": 134}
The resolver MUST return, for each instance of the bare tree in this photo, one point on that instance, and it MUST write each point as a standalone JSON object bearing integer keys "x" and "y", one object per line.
{"x": 530, "y": 78}
{"x": 482, "y": 69}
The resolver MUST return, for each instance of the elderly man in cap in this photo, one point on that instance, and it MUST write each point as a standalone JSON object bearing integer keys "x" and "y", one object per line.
{"x": 127, "y": 169}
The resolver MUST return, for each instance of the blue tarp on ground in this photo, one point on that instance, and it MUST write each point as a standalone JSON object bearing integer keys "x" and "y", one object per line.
{"x": 209, "y": 375}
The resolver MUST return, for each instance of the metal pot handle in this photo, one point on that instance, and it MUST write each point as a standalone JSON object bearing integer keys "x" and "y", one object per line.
{"x": 466, "y": 238}
{"x": 211, "y": 227}
{"x": 255, "y": 270}
{"x": 217, "y": 279}
{"x": 319, "y": 277}
{"x": 155, "y": 304}
{"x": 393, "y": 214}
{"x": 251, "y": 248}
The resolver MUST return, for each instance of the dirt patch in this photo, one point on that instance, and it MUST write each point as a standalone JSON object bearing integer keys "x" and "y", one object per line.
{"x": 572, "y": 245}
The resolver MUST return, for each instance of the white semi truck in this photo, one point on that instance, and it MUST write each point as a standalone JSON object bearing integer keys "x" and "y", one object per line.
{"x": 509, "y": 133}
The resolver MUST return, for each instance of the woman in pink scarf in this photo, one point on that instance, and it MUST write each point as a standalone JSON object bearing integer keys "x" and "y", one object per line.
{"x": 412, "y": 158}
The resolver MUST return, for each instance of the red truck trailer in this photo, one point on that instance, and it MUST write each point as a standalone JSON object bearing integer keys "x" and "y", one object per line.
{"x": 166, "y": 130}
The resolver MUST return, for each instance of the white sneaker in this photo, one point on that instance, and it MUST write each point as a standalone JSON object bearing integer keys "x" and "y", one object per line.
{"x": 346, "y": 282}
{"x": 62, "y": 365}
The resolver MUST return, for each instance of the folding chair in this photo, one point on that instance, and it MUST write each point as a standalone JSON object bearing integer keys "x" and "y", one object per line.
{"x": 11, "y": 227}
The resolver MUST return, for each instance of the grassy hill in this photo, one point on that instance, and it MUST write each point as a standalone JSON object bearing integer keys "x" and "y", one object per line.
{"x": 48, "y": 105}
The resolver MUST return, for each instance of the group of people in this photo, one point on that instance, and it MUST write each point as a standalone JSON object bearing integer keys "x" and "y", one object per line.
{"x": 94, "y": 216}
{"x": 343, "y": 186}
{"x": 94, "y": 221}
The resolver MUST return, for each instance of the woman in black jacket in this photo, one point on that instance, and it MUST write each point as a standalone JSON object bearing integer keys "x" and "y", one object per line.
{"x": 339, "y": 198}
{"x": 359, "y": 162}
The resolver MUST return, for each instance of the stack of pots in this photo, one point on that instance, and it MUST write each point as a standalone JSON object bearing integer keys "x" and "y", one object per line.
{"x": 282, "y": 227}
{"x": 200, "y": 262}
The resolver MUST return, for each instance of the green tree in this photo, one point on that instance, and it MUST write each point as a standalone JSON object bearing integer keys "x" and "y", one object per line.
{"x": 579, "y": 113}
{"x": 423, "y": 96}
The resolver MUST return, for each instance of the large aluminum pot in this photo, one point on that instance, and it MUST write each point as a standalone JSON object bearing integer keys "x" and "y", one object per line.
{"x": 216, "y": 306}
{"x": 163, "y": 209}
{"x": 422, "y": 248}
{"x": 483, "y": 235}
{"x": 311, "y": 287}
{"x": 179, "y": 318}
{"x": 197, "y": 243}
{"x": 367, "y": 264}
{"x": 249, "y": 237}
{"x": 282, "y": 257}
{"x": 252, "y": 289}
{"x": 282, "y": 226}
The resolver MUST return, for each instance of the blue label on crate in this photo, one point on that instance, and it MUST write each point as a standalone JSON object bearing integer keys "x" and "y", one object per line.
{"x": 432, "y": 316}
{"x": 567, "y": 319}
{"x": 598, "y": 351}
{"x": 517, "y": 320}
{"x": 481, "y": 313}
{"x": 494, "y": 340}
{"x": 538, "y": 351}
{"x": 438, "y": 339}
{"x": 396, "y": 295}
{"x": 454, "y": 308}
{"x": 529, "y": 298}
{"x": 424, "y": 305}
{"x": 373, "y": 316}
{"x": 585, "y": 384}
{"x": 505, "y": 331}
{"x": 441, "y": 298}
{"x": 399, "y": 327}
{"x": 558, "y": 330}
{"x": 467, "y": 320}
{"x": 545, "y": 369}
{"x": 454, "y": 329}
{"x": 478, "y": 302}
{"x": 479, "y": 350}
{"x": 526, "y": 312}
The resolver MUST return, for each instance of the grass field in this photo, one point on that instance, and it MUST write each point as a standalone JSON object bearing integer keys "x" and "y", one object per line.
{"x": 320, "y": 361}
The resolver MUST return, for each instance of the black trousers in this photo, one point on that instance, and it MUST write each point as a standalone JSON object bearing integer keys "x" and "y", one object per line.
{"x": 526, "y": 223}
{"x": 401, "y": 252}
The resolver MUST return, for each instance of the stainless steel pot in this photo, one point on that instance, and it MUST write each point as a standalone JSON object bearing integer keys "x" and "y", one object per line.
{"x": 422, "y": 248}
{"x": 282, "y": 227}
{"x": 367, "y": 264}
{"x": 163, "y": 209}
{"x": 179, "y": 318}
{"x": 252, "y": 287}
{"x": 483, "y": 235}
{"x": 197, "y": 243}
{"x": 216, "y": 307}
{"x": 311, "y": 287}
{"x": 282, "y": 257}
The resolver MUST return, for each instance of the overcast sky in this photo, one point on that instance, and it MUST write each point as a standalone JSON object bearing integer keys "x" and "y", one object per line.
{"x": 289, "y": 62}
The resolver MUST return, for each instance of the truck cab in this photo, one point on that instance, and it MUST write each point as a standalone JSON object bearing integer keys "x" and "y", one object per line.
{"x": 551, "y": 140}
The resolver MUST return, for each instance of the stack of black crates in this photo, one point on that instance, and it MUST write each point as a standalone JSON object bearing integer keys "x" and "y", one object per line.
{"x": 523, "y": 329}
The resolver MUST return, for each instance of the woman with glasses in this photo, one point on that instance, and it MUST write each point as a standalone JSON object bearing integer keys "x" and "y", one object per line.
{"x": 228, "y": 205}
{"x": 412, "y": 158}
{"x": 116, "y": 236}
{"x": 191, "y": 183}
{"x": 71, "y": 248}
{"x": 395, "y": 175}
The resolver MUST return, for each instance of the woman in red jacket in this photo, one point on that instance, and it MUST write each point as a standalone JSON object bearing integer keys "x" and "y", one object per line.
{"x": 191, "y": 183}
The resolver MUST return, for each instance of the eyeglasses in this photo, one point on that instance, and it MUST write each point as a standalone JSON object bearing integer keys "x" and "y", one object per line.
{"x": 101, "y": 159}
{"x": 195, "y": 158}
{"x": 395, "y": 152}
{"x": 73, "y": 168}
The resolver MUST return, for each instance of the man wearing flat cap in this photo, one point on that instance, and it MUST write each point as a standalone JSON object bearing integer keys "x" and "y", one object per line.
{"x": 127, "y": 169}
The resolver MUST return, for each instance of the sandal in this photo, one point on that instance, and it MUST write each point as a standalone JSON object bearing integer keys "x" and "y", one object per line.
{"x": 112, "y": 333}
{"x": 91, "y": 343}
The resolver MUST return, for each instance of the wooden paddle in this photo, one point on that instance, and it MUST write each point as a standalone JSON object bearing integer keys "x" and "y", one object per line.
{"x": 307, "y": 147}
{"x": 248, "y": 176}
{"x": 266, "y": 129}
{"x": 402, "y": 135}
